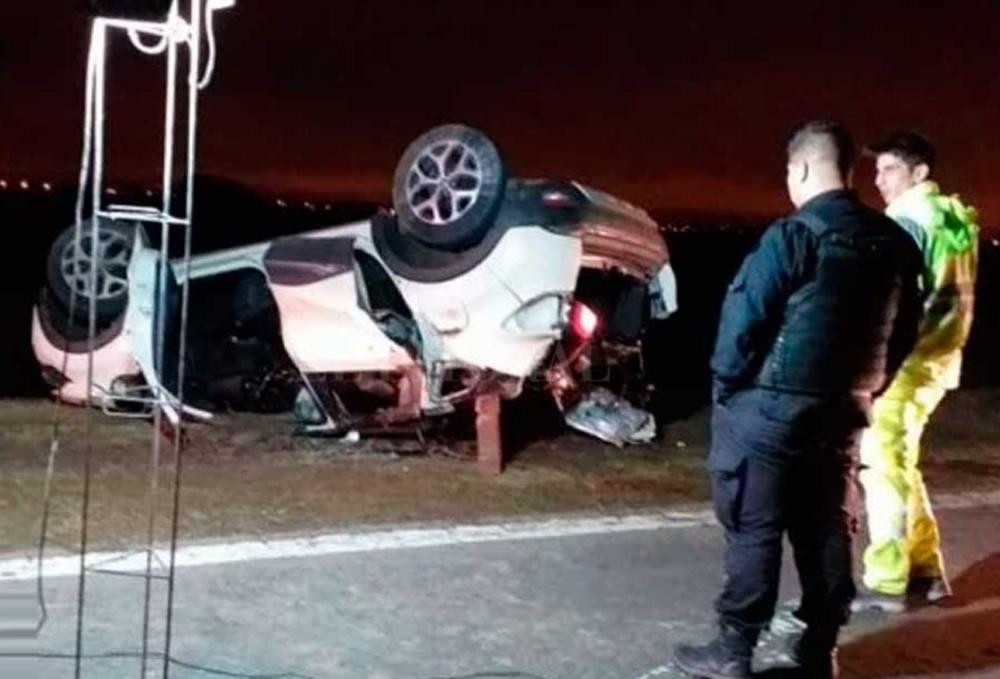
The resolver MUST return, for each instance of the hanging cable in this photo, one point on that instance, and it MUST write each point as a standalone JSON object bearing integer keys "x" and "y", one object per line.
{"x": 210, "y": 62}
{"x": 100, "y": 38}
{"x": 161, "y": 326}
{"x": 158, "y": 48}
{"x": 56, "y": 422}
{"x": 192, "y": 141}
{"x": 211, "y": 8}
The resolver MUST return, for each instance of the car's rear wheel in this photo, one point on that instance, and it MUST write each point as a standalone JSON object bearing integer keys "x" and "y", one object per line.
{"x": 448, "y": 187}
{"x": 73, "y": 334}
{"x": 71, "y": 264}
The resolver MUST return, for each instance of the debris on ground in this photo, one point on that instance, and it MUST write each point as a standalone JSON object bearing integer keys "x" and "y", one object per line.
{"x": 611, "y": 418}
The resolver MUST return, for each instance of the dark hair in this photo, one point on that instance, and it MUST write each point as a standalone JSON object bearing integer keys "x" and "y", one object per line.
{"x": 825, "y": 138}
{"x": 911, "y": 147}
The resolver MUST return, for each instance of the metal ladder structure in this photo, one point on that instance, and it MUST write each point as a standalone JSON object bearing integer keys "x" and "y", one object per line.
{"x": 175, "y": 30}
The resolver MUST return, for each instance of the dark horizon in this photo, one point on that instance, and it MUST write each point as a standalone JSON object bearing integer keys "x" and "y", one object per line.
{"x": 682, "y": 109}
{"x": 63, "y": 192}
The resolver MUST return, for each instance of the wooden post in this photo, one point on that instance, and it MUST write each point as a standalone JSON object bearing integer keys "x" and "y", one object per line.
{"x": 489, "y": 445}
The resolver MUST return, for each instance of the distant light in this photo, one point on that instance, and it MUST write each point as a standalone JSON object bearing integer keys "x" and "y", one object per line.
{"x": 328, "y": 207}
{"x": 25, "y": 185}
{"x": 307, "y": 205}
{"x": 110, "y": 191}
{"x": 3, "y": 183}
{"x": 996, "y": 242}
{"x": 280, "y": 203}
{"x": 149, "y": 192}
{"x": 46, "y": 186}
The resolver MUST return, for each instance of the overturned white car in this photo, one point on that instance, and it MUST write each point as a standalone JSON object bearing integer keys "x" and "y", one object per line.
{"x": 474, "y": 284}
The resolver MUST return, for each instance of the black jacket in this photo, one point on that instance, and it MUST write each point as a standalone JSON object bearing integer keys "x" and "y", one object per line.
{"x": 825, "y": 308}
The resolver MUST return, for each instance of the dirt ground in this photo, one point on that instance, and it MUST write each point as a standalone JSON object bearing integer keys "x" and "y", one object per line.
{"x": 248, "y": 475}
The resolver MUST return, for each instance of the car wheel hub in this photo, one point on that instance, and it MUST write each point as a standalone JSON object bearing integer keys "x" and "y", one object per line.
{"x": 444, "y": 182}
{"x": 77, "y": 263}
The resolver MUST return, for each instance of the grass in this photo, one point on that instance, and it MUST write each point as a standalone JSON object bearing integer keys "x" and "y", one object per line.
{"x": 246, "y": 475}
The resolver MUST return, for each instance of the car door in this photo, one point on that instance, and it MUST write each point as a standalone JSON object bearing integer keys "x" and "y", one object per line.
{"x": 153, "y": 328}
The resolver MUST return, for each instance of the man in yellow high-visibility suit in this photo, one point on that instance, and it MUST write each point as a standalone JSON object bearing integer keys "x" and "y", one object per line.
{"x": 903, "y": 563}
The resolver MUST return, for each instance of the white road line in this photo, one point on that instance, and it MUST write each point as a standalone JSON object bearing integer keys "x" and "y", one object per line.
{"x": 345, "y": 543}
{"x": 397, "y": 538}
{"x": 661, "y": 671}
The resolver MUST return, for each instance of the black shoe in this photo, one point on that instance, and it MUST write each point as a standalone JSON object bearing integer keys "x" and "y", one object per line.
{"x": 928, "y": 590}
{"x": 726, "y": 657}
{"x": 812, "y": 662}
{"x": 870, "y": 600}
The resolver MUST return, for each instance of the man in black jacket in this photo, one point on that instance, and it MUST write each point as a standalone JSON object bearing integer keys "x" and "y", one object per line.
{"x": 815, "y": 321}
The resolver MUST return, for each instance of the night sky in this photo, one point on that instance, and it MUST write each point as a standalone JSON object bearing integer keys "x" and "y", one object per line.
{"x": 680, "y": 107}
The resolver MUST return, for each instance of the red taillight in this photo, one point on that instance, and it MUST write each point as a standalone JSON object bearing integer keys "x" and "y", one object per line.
{"x": 583, "y": 320}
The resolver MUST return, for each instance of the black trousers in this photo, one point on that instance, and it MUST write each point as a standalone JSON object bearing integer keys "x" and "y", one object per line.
{"x": 812, "y": 497}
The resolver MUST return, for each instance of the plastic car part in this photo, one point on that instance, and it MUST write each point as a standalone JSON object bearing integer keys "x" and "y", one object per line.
{"x": 663, "y": 293}
{"x": 448, "y": 186}
{"x": 547, "y": 315}
{"x": 70, "y": 263}
{"x": 583, "y": 320}
{"x": 611, "y": 418}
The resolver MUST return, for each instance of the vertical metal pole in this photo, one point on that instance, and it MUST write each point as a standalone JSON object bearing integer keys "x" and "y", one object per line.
{"x": 99, "y": 40}
{"x": 169, "y": 119}
{"x": 191, "y": 151}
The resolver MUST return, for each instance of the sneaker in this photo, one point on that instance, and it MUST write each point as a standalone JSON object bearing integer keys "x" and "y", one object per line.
{"x": 871, "y": 600}
{"x": 929, "y": 589}
{"x": 786, "y": 622}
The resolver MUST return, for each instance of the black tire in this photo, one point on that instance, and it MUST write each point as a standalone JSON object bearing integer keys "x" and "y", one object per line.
{"x": 68, "y": 268}
{"x": 448, "y": 186}
{"x": 73, "y": 335}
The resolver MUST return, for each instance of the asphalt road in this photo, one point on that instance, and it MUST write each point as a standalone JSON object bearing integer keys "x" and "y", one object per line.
{"x": 599, "y": 606}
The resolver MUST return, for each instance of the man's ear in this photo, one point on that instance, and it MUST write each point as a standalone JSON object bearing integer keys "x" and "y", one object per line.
{"x": 803, "y": 171}
{"x": 849, "y": 179}
{"x": 921, "y": 172}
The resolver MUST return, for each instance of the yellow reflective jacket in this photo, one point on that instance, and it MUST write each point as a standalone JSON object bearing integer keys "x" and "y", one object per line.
{"x": 948, "y": 236}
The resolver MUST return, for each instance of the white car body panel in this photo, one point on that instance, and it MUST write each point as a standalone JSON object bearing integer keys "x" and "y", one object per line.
{"x": 469, "y": 311}
{"x": 140, "y": 316}
{"x": 224, "y": 261}
{"x": 324, "y": 330}
{"x": 252, "y": 256}
{"x": 113, "y": 360}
